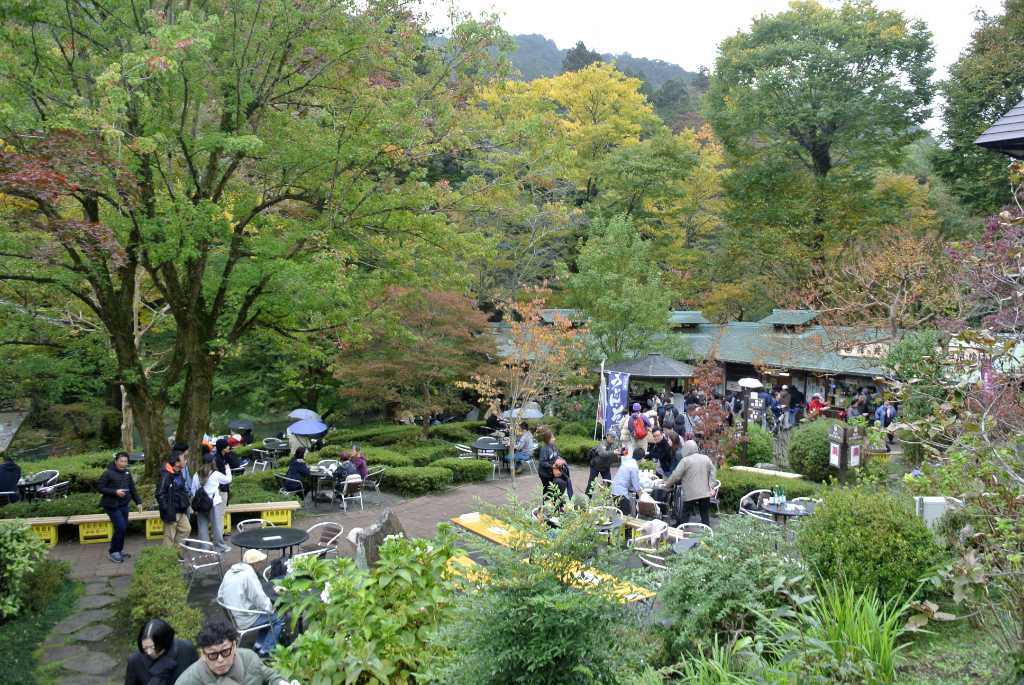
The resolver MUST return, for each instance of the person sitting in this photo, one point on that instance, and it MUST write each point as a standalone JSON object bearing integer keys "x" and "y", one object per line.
{"x": 161, "y": 658}
{"x": 10, "y": 474}
{"x": 524, "y": 447}
{"x": 298, "y": 471}
{"x": 627, "y": 481}
{"x": 358, "y": 460}
{"x": 223, "y": 661}
{"x": 241, "y": 589}
{"x": 346, "y": 468}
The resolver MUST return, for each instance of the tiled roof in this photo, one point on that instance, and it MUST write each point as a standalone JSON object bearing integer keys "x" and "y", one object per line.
{"x": 654, "y": 366}
{"x": 790, "y": 317}
{"x": 1006, "y": 135}
{"x": 687, "y": 317}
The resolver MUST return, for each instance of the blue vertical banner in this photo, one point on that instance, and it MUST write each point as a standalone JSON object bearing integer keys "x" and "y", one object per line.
{"x": 617, "y": 398}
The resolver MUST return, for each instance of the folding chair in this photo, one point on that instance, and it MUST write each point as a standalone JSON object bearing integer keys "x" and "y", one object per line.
{"x": 374, "y": 479}
{"x": 749, "y": 506}
{"x": 56, "y": 491}
{"x": 715, "y": 487}
{"x": 197, "y": 555}
{"x": 325, "y": 536}
{"x": 291, "y": 486}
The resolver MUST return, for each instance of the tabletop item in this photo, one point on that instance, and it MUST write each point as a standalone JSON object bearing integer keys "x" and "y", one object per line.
{"x": 784, "y": 512}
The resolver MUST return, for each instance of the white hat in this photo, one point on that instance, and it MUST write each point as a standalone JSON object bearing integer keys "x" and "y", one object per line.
{"x": 254, "y": 556}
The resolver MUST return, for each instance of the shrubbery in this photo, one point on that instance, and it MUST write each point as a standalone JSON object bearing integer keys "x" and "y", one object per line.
{"x": 380, "y": 457}
{"x": 574, "y": 448}
{"x": 416, "y": 480}
{"x": 466, "y": 470}
{"x": 376, "y": 434}
{"x": 158, "y": 590}
{"x": 457, "y": 431}
{"x": 735, "y": 484}
{"x": 45, "y": 581}
{"x": 21, "y": 552}
{"x": 809, "y": 450}
{"x": 759, "y": 448}
{"x": 81, "y": 470}
{"x": 869, "y": 540}
{"x": 74, "y": 504}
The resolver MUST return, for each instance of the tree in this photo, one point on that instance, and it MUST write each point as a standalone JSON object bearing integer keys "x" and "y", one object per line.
{"x": 618, "y": 286}
{"x": 419, "y": 344}
{"x": 983, "y": 84}
{"x": 241, "y": 157}
{"x": 579, "y": 57}
{"x": 671, "y": 101}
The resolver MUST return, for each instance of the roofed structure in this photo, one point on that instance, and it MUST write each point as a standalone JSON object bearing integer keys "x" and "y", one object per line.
{"x": 686, "y": 317}
{"x": 1006, "y": 135}
{"x": 653, "y": 366}
{"x": 790, "y": 317}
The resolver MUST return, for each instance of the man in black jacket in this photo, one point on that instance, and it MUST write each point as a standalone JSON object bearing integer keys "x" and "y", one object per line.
{"x": 660, "y": 452}
{"x": 601, "y": 459}
{"x": 117, "y": 487}
{"x": 10, "y": 474}
{"x": 172, "y": 496}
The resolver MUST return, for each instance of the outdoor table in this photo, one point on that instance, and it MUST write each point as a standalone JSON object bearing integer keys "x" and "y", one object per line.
{"x": 270, "y": 538}
{"x": 783, "y": 512}
{"x": 29, "y": 487}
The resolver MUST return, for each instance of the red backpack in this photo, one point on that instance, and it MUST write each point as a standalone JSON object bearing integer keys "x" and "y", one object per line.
{"x": 639, "y": 427}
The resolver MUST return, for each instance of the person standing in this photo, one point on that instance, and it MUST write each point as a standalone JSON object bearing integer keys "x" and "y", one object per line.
{"x": 626, "y": 482}
{"x": 118, "y": 491}
{"x": 635, "y": 429}
{"x": 161, "y": 657}
{"x": 210, "y": 479}
{"x": 549, "y": 460}
{"x": 241, "y": 589}
{"x": 660, "y": 452}
{"x": 601, "y": 459}
{"x": 10, "y": 474}
{"x": 222, "y": 661}
{"x": 694, "y": 473}
{"x": 225, "y": 459}
{"x": 173, "y": 500}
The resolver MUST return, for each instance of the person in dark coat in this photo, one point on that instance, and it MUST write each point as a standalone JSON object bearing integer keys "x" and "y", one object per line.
{"x": 161, "y": 658}
{"x": 173, "y": 497}
{"x": 225, "y": 459}
{"x": 10, "y": 474}
{"x": 601, "y": 459}
{"x": 549, "y": 459}
{"x": 660, "y": 452}
{"x": 117, "y": 488}
{"x": 297, "y": 470}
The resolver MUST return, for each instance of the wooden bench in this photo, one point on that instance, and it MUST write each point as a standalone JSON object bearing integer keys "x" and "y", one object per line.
{"x": 92, "y": 528}
{"x": 278, "y": 513}
{"x": 766, "y": 472}
{"x": 46, "y": 527}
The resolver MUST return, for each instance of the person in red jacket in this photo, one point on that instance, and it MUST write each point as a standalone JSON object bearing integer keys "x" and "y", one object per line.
{"x": 816, "y": 405}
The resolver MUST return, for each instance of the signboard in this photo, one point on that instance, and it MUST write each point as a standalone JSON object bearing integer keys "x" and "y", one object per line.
{"x": 837, "y": 433}
{"x": 756, "y": 413}
{"x": 854, "y": 456}
{"x": 833, "y": 456}
{"x": 617, "y": 397}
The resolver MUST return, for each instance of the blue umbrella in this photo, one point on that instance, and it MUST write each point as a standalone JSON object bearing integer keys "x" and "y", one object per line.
{"x": 308, "y": 428}
{"x": 302, "y": 414}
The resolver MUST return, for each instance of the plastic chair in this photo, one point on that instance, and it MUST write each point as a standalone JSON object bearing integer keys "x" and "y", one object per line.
{"x": 253, "y": 524}
{"x": 374, "y": 479}
{"x": 716, "y": 485}
{"x": 260, "y": 464}
{"x": 197, "y": 555}
{"x": 233, "y": 613}
{"x": 652, "y": 561}
{"x": 654, "y": 533}
{"x": 695, "y": 529}
{"x": 749, "y": 506}
{"x": 350, "y": 489}
{"x": 51, "y": 476}
{"x": 464, "y": 452}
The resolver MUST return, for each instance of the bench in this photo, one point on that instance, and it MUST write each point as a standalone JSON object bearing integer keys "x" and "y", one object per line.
{"x": 278, "y": 513}
{"x": 766, "y": 472}
{"x": 92, "y": 528}
{"x": 46, "y": 527}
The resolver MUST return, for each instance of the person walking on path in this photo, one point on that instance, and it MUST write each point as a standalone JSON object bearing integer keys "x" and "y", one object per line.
{"x": 636, "y": 429}
{"x": 210, "y": 480}
{"x": 694, "y": 473}
{"x": 161, "y": 657}
{"x": 118, "y": 491}
{"x": 627, "y": 481}
{"x": 241, "y": 589}
{"x": 222, "y": 661}
{"x": 173, "y": 499}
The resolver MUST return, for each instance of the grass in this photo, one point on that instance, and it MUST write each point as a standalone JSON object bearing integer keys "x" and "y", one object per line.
{"x": 953, "y": 653}
{"x": 21, "y": 638}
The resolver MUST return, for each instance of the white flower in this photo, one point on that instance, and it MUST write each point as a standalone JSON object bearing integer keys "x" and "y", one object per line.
{"x": 395, "y": 536}
{"x": 326, "y": 594}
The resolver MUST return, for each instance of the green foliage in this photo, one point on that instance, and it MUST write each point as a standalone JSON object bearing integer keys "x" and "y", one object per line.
{"x": 244, "y": 451}
{"x": 457, "y": 431}
{"x": 579, "y": 57}
{"x": 72, "y": 505}
{"x": 417, "y": 480}
{"x": 256, "y": 487}
{"x": 157, "y": 590}
{"x": 21, "y": 638}
{"x": 44, "y": 583}
{"x": 429, "y": 452}
{"x": 82, "y": 470}
{"x": 868, "y": 540}
{"x": 759, "y": 448}
{"x": 368, "y": 626}
{"x": 842, "y": 636}
{"x": 466, "y": 470}
{"x": 719, "y": 587}
{"x": 916, "y": 360}
{"x": 21, "y": 552}
{"x": 377, "y": 434}
{"x": 808, "y": 450}
{"x": 574, "y": 448}
{"x": 380, "y": 457}
{"x": 735, "y": 484}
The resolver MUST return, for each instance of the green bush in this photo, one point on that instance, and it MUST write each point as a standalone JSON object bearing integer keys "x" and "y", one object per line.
{"x": 45, "y": 582}
{"x": 809, "y": 450}
{"x": 21, "y": 552}
{"x": 759, "y": 448}
{"x": 574, "y": 448}
{"x": 158, "y": 590}
{"x": 466, "y": 470}
{"x": 417, "y": 480}
{"x": 74, "y": 504}
{"x": 869, "y": 540}
{"x": 429, "y": 451}
{"x": 719, "y": 587}
{"x": 464, "y": 432}
{"x": 261, "y": 486}
{"x": 382, "y": 457}
{"x": 376, "y": 434}
{"x": 329, "y": 451}
{"x": 81, "y": 470}
{"x": 244, "y": 451}
{"x": 735, "y": 484}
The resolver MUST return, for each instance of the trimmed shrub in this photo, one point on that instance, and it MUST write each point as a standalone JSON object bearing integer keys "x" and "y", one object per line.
{"x": 809, "y": 449}
{"x": 417, "y": 480}
{"x": 466, "y": 470}
{"x": 381, "y": 457}
{"x": 332, "y": 451}
{"x": 74, "y": 504}
{"x": 376, "y": 434}
{"x": 21, "y": 552}
{"x": 158, "y": 590}
{"x": 868, "y": 540}
{"x": 647, "y": 465}
{"x": 735, "y": 484}
{"x": 261, "y": 486}
{"x": 81, "y": 470}
{"x": 574, "y": 448}
{"x": 244, "y": 451}
{"x": 457, "y": 431}
{"x": 45, "y": 582}
{"x": 759, "y": 448}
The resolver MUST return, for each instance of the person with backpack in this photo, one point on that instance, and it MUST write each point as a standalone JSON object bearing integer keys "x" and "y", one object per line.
{"x": 209, "y": 504}
{"x": 636, "y": 428}
{"x": 601, "y": 459}
{"x": 173, "y": 498}
{"x": 118, "y": 490}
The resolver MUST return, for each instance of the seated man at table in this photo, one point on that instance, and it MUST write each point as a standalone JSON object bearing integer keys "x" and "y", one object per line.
{"x": 298, "y": 471}
{"x": 241, "y": 589}
{"x": 221, "y": 660}
{"x": 10, "y": 474}
{"x": 627, "y": 481}
{"x": 524, "y": 448}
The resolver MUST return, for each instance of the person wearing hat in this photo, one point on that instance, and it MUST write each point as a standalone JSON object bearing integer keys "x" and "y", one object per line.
{"x": 241, "y": 589}
{"x": 816, "y": 405}
{"x": 635, "y": 430}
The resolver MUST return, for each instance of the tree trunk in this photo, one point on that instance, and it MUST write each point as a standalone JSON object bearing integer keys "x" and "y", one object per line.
{"x": 127, "y": 423}
{"x": 148, "y": 416}
{"x": 194, "y": 416}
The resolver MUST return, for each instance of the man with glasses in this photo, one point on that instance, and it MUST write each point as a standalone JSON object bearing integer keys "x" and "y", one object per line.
{"x": 222, "y": 661}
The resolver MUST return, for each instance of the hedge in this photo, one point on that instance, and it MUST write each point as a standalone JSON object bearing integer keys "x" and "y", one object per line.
{"x": 574, "y": 448}
{"x": 417, "y": 480}
{"x": 808, "y": 450}
{"x": 759, "y": 448}
{"x": 382, "y": 457}
{"x": 429, "y": 452}
{"x": 457, "y": 431}
{"x": 466, "y": 470}
{"x": 81, "y": 470}
{"x": 76, "y": 503}
{"x": 158, "y": 590}
{"x": 735, "y": 484}
{"x": 376, "y": 434}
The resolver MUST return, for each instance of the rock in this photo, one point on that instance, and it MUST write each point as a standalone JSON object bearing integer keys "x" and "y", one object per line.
{"x": 93, "y": 633}
{"x": 63, "y": 654}
{"x": 120, "y": 582}
{"x": 92, "y": 663}
{"x": 82, "y": 619}
{"x": 79, "y": 679}
{"x": 97, "y": 588}
{"x": 369, "y": 540}
{"x": 95, "y": 601}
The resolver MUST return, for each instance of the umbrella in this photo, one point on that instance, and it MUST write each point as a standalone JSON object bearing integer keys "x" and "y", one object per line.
{"x": 240, "y": 425}
{"x": 308, "y": 427}
{"x": 302, "y": 414}
{"x": 523, "y": 413}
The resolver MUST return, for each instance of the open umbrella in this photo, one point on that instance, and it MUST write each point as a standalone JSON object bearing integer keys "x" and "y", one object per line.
{"x": 523, "y": 413}
{"x": 302, "y": 414}
{"x": 308, "y": 428}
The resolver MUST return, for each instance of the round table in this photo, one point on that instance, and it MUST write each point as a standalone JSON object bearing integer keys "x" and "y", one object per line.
{"x": 783, "y": 512}
{"x": 28, "y": 487}
{"x": 270, "y": 538}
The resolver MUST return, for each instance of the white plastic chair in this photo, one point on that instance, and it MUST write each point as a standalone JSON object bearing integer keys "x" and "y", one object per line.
{"x": 652, "y": 561}
{"x": 374, "y": 478}
{"x": 56, "y": 491}
{"x": 253, "y": 524}
{"x": 695, "y": 529}
{"x": 716, "y": 485}
{"x": 464, "y": 452}
{"x": 350, "y": 489}
{"x": 653, "y": 533}
{"x": 749, "y": 506}
{"x": 197, "y": 555}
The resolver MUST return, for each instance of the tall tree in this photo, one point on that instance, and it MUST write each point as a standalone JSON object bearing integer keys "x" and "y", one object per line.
{"x": 983, "y": 84}
{"x": 579, "y": 57}
{"x": 243, "y": 156}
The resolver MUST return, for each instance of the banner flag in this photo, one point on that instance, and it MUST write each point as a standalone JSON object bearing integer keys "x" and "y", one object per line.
{"x": 616, "y": 398}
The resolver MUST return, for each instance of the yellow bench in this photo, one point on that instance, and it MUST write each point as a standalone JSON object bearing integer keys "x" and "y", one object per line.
{"x": 92, "y": 528}
{"x": 278, "y": 513}
{"x": 46, "y": 527}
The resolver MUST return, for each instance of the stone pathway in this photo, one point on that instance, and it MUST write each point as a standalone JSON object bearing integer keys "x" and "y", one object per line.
{"x": 74, "y": 651}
